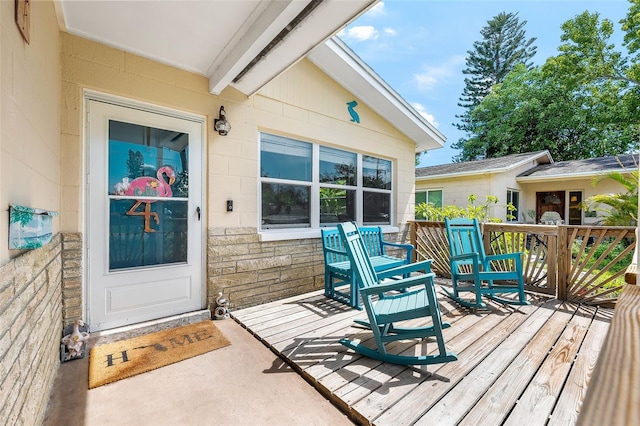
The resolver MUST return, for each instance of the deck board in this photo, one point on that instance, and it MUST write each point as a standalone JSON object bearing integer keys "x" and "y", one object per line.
{"x": 530, "y": 362}
{"x": 538, "y": 399}
{"x": 568, "y": 406}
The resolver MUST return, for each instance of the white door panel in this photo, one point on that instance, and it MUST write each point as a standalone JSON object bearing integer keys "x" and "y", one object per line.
{"x": 144, "y": 230}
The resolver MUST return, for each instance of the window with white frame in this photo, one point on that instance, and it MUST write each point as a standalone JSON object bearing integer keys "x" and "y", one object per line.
{"x": 306, "y": 185}
{"x": 513, "y": 197}
{"x": 431, "y": 196}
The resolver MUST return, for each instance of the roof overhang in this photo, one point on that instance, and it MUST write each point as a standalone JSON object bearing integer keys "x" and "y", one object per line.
{"x": 567, "y": 176}
{"x": 243, "y": 44}
{"x": 459, "y": 175}
{"x": 345, "y": 67}
{"x": 543, "y": 157}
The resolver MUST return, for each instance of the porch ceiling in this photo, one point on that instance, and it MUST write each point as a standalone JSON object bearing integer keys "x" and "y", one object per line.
{"x": 243, "y": 44}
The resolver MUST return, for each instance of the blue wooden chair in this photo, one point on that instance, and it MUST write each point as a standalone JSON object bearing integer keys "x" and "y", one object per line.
{"x": 337, "y": 268}
{"x": 470, "y": 263}
{"x": 384, "y": 313}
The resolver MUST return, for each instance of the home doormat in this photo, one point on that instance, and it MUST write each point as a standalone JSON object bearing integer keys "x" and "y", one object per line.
{"x": 118, "y": 360}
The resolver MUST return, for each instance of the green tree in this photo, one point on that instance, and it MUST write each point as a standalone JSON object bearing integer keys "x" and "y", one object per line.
{"x": 583, "y": 103}
{"x": 472, "y": 211}
{"x": 533, "y": 110}
{"x": 503, "y": 46}
{"x": 588, "y": 59}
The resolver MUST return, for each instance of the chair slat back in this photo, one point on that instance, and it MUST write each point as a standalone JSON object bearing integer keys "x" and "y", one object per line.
{"x": 371, "y": 238}
{"x": 464, "y": 237}
{"x": 360, "y": 262}
{"x": 331, "y": 239}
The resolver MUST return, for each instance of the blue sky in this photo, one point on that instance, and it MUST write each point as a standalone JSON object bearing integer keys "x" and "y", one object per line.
{"x": 419, "y": 47}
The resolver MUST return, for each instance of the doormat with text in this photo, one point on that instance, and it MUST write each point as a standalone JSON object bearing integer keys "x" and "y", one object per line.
{"x": 119, "y": 360}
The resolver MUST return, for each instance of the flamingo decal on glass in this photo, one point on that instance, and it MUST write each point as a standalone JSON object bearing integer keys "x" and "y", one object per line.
{"x": 150, "y": 187}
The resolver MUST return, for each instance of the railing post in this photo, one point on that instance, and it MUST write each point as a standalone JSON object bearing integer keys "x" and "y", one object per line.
{"x": 412, "y": 236}
{"x": 563, "y": 262}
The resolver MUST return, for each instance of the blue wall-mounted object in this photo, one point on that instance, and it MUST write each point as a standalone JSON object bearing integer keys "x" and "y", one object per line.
{"x": 351, "y": 108}
{"x": 29, "y": 228}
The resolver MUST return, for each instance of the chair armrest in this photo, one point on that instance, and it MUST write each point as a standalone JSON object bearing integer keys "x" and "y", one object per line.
{"x": 335, "y": 251}
{"x": 408, "y": 247}
{"x": 397, "y": 285}
{"x": 467, "y": 256}
{"x": 424, "y": 265}
{"x": 505, "y": 256}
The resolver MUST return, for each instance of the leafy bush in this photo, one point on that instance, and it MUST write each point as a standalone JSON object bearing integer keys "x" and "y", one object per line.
{"x": 599, "y": 250}
{"x": 471, "y": 211}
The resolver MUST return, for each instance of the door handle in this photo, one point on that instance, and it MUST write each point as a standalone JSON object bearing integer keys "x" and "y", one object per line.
{"x": 198, "y": 211}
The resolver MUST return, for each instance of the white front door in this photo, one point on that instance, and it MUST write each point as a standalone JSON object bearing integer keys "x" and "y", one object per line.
{"x": 145, "y": 236}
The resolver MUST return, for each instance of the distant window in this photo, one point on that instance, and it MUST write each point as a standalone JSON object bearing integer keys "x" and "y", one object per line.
{"x": 575, "y": 212}
{"x": 513, "y": 197}
{"x": 432, "y": 196}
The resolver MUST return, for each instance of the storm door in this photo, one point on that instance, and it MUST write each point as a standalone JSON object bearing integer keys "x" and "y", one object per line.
{"x": 144, "y": 229}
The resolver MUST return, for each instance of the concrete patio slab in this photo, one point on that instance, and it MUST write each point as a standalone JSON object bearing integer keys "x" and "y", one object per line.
{"x": 241, "y": 384}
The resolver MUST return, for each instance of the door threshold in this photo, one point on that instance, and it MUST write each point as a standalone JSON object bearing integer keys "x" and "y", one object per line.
{"x": 141, "y": 328}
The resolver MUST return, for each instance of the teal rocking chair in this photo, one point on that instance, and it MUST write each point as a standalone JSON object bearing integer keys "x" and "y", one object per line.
{"x": 469, "y": 263}
{"x": 392, "y": 307}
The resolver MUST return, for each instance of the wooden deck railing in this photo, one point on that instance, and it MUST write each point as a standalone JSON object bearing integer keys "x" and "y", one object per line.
{"x": 613, "y": 394}
{"x": 584, "y": 264}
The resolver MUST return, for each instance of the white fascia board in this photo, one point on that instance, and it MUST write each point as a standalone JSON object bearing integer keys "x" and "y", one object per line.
{"x": 325, "y": 20}
{"x": 461, "y": 174}
{"x": 487, "y": 171}
{"x": 572, "y": 176}
{"x": 345, "y": 67}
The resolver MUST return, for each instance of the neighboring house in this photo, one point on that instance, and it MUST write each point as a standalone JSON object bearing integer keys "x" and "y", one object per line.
{"x": 532, "y": 182}
{"x": 109, "y": 118}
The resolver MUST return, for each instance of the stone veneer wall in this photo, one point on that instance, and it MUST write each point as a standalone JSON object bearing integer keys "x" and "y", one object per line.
{"x": 72, "y": 308}
{"x": 250, "y": 272}
{"x": 31, "y": 318}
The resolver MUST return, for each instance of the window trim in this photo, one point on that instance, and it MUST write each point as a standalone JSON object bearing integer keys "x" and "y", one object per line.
{"x": 509, "y": 200}
{"x": 426, "y": 198}
{"x": 313, "y": 230}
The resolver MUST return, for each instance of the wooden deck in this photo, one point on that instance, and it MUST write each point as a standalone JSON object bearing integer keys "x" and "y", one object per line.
{"x": 529, "y": 365}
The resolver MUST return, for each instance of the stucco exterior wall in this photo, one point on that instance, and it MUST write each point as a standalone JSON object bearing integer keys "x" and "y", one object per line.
{"x": 30, "y": 281}
{"x": 457, "y": 189}
{"x": 29, "y": 115}
{"x": 606, "y": 186}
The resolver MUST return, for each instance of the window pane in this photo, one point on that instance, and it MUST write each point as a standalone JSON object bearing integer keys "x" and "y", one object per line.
{"x": 147, "y": 161}
{"x": 513, "y": 197}
{"x": 130, "y": 246}
{"x": 337, "y": 166}
{"x": 575, "y": 212}
{"x": 376, "y": 172}
{"x": 285, "y": 206}
{"x": 337, "y": 205}
{"x": 284, "y": 158}
{"x": 421, "y": 197}
{"x": 377, "y": 208}
{"x": 435, "y": 198}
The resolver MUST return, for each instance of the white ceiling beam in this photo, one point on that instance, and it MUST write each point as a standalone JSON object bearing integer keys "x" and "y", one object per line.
{"x": 325, "y": 20}
{"x": 264, "y": 24}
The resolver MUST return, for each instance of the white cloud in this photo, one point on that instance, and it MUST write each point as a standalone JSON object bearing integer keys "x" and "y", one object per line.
{"x": 389, "y": 31}
{"x": 377, "y": 10}
{"x": 423, "y": 112}
{"x": 434, "y": 75}
{"x": 359, "y": 33}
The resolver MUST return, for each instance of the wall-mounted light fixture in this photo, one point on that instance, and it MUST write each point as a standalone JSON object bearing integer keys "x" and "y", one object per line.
{"x": 221, "y": 124}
